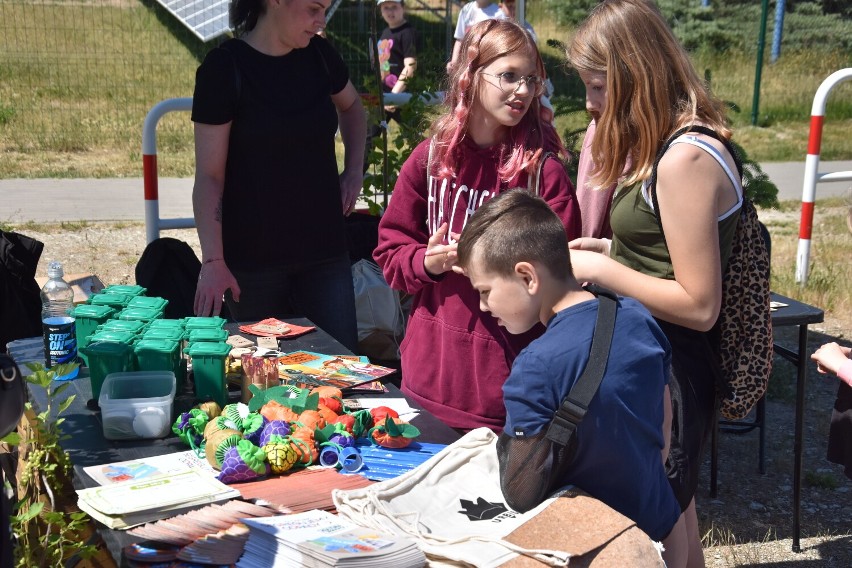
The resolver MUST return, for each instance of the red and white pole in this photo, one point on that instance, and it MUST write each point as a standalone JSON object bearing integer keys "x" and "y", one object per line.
{"x": 153, "y": 223}
{"x": 812, "y": 176}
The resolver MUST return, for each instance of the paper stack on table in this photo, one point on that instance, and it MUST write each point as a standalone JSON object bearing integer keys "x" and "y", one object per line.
{"x": 125, "y": 505}
{"x": 319, "y": 539}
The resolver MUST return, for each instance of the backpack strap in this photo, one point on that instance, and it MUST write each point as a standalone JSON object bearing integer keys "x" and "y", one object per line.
{"x": 574, "y": 406}
{"x": 534, "y": 180}
{"x": 652, "y": 185}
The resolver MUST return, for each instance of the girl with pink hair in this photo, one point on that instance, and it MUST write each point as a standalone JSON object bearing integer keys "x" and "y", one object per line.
{"x": 492, "y": 137}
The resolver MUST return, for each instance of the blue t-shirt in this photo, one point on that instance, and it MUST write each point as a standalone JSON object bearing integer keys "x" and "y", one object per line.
{"x": 620, "y": 440}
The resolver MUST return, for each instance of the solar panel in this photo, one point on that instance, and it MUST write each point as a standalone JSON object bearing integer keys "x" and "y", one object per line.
{"x": 207, "y": 19}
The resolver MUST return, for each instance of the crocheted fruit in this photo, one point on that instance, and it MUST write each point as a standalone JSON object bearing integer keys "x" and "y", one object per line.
{"x": 379, "y": 413}
{"x": 221, "y": 422}
{"x": 253, "y": 425}
{"x": 347, "y": 421}
{"x": 328, "y": 415}
{"x": 273, "y": 428}
{"x": 311, "y": 419}
{"x": 218, "y": 438}
{"x": 274, "y": 410}
{"x": 242, "y": 461}
{"x": 236, "y": 413}
{"x": 211, "y": 407}
{"x": 393, "y": 434}
{"x": 331, "y": 397}
{"x": 281, "y": 456}
{"x": 189, "y": 427}
{"x": 303, "y": 440}
{"x": 343, "y": 440}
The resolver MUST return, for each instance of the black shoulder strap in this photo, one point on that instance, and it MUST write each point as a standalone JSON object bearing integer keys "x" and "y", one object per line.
{"x": 574, "y": 407}
{"x": 652, "y": 187}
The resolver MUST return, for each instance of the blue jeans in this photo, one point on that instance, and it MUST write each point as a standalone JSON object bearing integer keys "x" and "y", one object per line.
{"x": 321, "y": 292}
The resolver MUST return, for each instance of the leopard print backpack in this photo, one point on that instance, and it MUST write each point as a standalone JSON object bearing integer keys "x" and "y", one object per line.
{"x": 745, "y": 321}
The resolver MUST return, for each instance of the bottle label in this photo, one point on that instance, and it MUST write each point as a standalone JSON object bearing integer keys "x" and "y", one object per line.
{"x": 60, "y": 342}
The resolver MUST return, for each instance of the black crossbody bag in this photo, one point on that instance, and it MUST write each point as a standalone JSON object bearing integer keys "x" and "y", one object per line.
{"x": 538, "y": 464}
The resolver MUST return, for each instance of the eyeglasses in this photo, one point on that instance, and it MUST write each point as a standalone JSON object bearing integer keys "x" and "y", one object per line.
{"x": 510, "y": 82}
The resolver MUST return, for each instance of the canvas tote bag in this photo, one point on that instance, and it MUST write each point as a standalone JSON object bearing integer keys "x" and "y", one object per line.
{"x": 451, "y": 505}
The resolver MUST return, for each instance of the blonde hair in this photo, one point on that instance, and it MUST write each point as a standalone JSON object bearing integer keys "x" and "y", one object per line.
{"x": 652, "y": 87}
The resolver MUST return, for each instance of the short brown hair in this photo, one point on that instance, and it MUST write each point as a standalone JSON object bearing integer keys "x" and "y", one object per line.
{"x": 516, "y": 226}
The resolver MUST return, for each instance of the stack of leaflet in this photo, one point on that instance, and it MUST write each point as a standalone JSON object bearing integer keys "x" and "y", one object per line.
{"x": 316, "y": 539}
{"x": 125, "y": 505}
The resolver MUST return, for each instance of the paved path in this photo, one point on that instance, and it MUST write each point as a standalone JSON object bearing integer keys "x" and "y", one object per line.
{"x": 48, "y": 200}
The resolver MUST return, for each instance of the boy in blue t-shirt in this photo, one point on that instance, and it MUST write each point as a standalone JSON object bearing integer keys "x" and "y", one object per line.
{"x": 515, "y": 252}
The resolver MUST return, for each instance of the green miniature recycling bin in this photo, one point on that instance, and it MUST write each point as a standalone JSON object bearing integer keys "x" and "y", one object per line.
{"x": 106, "y": 357}
{"x": 135, "y": 327}
{"x": 153, "y": 302}
{"x": 131, "y": 290}
{"x": 117, "y": 301}
{"x": 207, "y": 334}
{"x": 197, "y": 322}
{"x": 88, "y": 318}
{"x": 208, "y": 370}
{"x": 178, "y": 335}
{"x": 139, "y": 314}
{"x": 158, "y": 354}
{"x": 167, "y": 323}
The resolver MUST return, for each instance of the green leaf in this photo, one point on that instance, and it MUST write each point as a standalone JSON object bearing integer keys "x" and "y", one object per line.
{"x": 63, "y": 406}
{"x": 12, "y": 438}
{"x": 61, "y": 388}
{"x": 32, "y": 512}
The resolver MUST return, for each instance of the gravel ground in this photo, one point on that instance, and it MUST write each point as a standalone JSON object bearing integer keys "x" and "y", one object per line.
{"x": 748, "y": 523}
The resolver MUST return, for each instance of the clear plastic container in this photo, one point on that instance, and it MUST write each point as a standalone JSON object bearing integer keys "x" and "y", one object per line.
{"x": 137, "y": 405}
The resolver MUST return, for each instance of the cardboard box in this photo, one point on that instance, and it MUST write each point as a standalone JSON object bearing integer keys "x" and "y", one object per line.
{"x": 84, "y": 285}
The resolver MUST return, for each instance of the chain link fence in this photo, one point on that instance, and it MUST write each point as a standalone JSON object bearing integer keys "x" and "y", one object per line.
{"x": 78, "y": 76}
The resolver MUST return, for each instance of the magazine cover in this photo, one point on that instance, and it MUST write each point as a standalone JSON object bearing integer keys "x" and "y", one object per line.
{"x": 309, "y": 369}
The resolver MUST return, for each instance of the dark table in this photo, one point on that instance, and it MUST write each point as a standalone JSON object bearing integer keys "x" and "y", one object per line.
{"x": 87, "y": 447}
{"x": 795, "y": 313}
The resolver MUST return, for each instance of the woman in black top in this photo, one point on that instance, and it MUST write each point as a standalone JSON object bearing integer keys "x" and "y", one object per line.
{"x": 269, "y": 204}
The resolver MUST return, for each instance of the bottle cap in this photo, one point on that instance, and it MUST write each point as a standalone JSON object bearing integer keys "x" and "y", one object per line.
{"x": 54, "y": 269}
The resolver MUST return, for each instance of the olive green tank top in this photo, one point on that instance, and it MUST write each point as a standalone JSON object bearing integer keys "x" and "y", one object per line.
{"x": 637, "y": 241}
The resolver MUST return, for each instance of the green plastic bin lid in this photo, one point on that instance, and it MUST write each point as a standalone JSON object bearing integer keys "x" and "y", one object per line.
{"x": 126, "y": 289}
{"x": 153, "y": 302}
{"x": 141, "y": 314}
{"x": 208, "y": 349}
{"x": 107, "y": 348}
{"x": 173, "y": 333}
{"x": 133, "y": 326}
{"x": 94, "y": 312}
{"x": 160, "y": 345}
{"x": 208, "y": 334}
{"x": 109, "y": 299}
{"x": 113, "y": 336}
{"x": 197, "y": 322}
{"x": 167, "y": 324}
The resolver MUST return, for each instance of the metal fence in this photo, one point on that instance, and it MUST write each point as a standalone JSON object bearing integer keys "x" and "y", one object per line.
{"x": 78, "y": 76}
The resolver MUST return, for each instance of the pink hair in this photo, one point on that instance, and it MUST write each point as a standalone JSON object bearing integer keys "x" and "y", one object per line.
{"x": 482, "y": 44}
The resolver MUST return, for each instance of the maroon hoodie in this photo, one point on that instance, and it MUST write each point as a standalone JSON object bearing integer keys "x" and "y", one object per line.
{"x": 455, "y": 357}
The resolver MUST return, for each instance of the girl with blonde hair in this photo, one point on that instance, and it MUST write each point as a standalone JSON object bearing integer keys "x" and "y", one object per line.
{"x": 670, "y": 242}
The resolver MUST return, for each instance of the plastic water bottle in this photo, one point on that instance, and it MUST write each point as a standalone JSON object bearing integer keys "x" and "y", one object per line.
{"x": 60, "y": 339}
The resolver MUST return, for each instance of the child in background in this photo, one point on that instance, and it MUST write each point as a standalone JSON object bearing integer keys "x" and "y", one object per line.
{"x": 490, "y": 138}
{"x": 397, "y": 49}
{"x": 834, "y": 358}
{"x": 472, "y": 13}
{"x": 515, "y": 253}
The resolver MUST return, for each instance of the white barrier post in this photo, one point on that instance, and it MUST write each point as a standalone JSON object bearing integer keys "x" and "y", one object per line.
{"x": 812, "y": 176}
{"x": 153, "y": 223}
